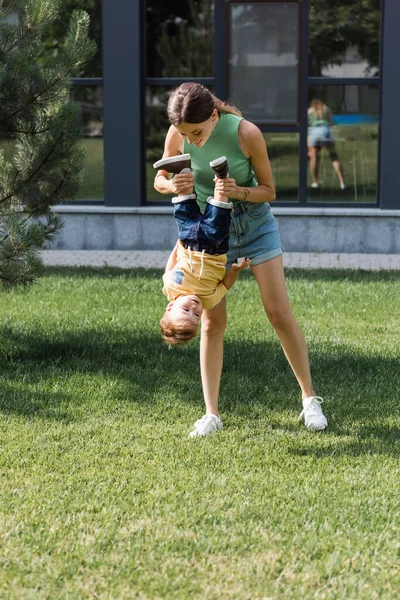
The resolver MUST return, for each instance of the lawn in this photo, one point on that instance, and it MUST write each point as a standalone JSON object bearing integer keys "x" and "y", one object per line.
{"x": 103, "y": 495}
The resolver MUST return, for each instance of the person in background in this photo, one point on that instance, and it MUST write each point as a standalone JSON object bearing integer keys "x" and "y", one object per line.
{"x": 320, "y": 136}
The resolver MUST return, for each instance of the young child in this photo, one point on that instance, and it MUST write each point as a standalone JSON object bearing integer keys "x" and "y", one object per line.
{"x": 195, "y": 276}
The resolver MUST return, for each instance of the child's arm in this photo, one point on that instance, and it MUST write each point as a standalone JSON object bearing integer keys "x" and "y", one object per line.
{"x": 172, "y": 260}
{"x": 232, "y": 275}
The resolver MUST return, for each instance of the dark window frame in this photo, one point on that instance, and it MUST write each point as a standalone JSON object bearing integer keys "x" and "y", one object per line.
{"x": 388, "y": 196}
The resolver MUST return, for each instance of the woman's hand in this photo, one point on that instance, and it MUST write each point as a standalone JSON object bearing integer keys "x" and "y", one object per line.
{"x": 226, "y": 187}
{"x": 182, "y": 183}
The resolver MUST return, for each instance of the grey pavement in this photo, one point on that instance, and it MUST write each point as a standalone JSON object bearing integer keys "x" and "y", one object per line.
{"x": 157, "y": 259}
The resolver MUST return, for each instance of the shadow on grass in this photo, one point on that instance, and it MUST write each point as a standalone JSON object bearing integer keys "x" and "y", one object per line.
{"x": 371, "y": 440}
{"x": 256, "y": 379}
{"x": 30, "y": 403}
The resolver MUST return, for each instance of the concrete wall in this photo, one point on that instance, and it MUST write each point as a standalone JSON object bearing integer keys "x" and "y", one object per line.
{"x": 349, "y": 230}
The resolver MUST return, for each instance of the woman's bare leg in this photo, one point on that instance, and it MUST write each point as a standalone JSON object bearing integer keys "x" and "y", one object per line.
{"x": 339, "y": 171}
{"x": 271, "y": 281}
{"x": 212, "y": 353}
{"x": 336, "y": 163}
{"x": 314, "y": 160}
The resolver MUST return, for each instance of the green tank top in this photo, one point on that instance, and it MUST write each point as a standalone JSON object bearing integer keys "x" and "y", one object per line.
{"x": 314, "y": 121}
{"x": 223, "y": 141}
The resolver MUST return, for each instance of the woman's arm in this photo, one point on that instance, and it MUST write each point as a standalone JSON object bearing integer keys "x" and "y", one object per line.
{"x": 181, "y": 182}
{"x": 252, "y": 144}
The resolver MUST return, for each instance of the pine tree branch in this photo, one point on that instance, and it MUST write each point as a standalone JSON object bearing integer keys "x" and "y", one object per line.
{"x": 32, "y": 99}
{"x": 5, "y": 50}
{"x": 15, "y": 192}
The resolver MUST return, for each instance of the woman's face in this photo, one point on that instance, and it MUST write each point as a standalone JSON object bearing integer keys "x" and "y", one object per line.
{"x": 198, "y": 133}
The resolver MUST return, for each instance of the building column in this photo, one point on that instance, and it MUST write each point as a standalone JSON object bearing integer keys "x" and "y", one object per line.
{"x": 389, "y": 180}
{"x": 123, "y": 58}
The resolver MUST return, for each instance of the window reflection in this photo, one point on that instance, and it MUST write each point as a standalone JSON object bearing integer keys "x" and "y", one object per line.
{"x": 342, "y": 144}
{"x": 157, "y": 125}
{"x": 344, "y": 38}
{"x": 179, "y": 38}
{"x": 90, "y": 100}
{"x": 283, "y": 151}
{"x": 263, "y": 61}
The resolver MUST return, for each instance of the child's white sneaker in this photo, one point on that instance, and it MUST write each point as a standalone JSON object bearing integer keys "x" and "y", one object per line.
{"x": 206, "y": 425}
{"x": 314, "y": 418}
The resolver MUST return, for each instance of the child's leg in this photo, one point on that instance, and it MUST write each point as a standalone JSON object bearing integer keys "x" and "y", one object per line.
{"x": 220, "y": 166}
{"x": 214, "y": 227}
{"x": 187, "y": 216}
{"x": 177, "y": 164}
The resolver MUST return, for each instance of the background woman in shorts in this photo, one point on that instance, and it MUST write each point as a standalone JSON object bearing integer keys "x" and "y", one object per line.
{"x": 320, "y": 136}
{"x": 207, "y": 128}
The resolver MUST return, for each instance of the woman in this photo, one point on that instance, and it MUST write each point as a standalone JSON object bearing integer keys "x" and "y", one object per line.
{"x": 319, "y": 136}
{"x": 207, "y": 128}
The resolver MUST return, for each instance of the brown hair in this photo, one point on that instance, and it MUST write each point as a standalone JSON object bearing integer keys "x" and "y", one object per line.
{"x": 320, "y": 108}
{"x": 176, "y": 333}
{"x": 194, "y": 103}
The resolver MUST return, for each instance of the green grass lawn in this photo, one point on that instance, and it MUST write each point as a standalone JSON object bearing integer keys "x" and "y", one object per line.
{"x": 103, "y": 495}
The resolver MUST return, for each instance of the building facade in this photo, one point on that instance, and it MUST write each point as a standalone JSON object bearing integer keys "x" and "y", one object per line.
{"x": 272, "y": 59}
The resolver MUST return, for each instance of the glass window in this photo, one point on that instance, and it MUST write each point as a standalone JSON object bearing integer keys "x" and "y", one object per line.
{"x": 343, "y": 143}
{"x": 179, "y": 38}
{"x": 55, "y": 34}
{"x": 91, "y": 103}
{"x": 344, "y": 38}
{"x": 264, "y": 59}
{"x": 157, "y": 125}
{"x": 283, "y": 151}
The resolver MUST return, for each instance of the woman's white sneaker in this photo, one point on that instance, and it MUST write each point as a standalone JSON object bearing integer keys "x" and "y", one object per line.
{"x": 314, "y": 418}
{"x": 206, "y": 425}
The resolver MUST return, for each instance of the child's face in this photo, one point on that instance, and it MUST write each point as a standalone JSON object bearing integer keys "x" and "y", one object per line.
{"x": 198, "y": 133}
{"x": 186, "y": 308}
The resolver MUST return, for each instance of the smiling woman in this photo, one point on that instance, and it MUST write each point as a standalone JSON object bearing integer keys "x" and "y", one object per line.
{"x": 207, "y": 129}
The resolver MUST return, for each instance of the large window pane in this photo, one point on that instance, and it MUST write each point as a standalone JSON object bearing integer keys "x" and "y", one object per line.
{"x": 283, "y": 150}
{"x": 91, "y": 103}
{"x": 348, "y": 145}
{"x": 179, "y": 38}
{"x": 263, "y": 61}
{"x": 344, "y": 38}
{"x": 157, "y": 125}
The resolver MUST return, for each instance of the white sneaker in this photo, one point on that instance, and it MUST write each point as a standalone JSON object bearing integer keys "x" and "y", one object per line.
{"x": 315, "y": 185}
{"x": 314, "y": 418}
{"x": 343, "y": 186}
{"x": 206, "y": 425}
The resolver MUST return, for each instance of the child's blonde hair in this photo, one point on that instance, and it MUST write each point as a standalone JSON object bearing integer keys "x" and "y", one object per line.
{"x": 177, "y": 332}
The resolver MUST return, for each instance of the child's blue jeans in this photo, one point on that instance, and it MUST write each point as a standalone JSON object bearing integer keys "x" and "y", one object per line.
{"x": 208, "y": 231}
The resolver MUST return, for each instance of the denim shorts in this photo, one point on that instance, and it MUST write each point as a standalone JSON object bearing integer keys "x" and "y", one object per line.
{"x": 254, "y": 233}
{"x": 208, "y": 231}
{"x": 319, "y": 135}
